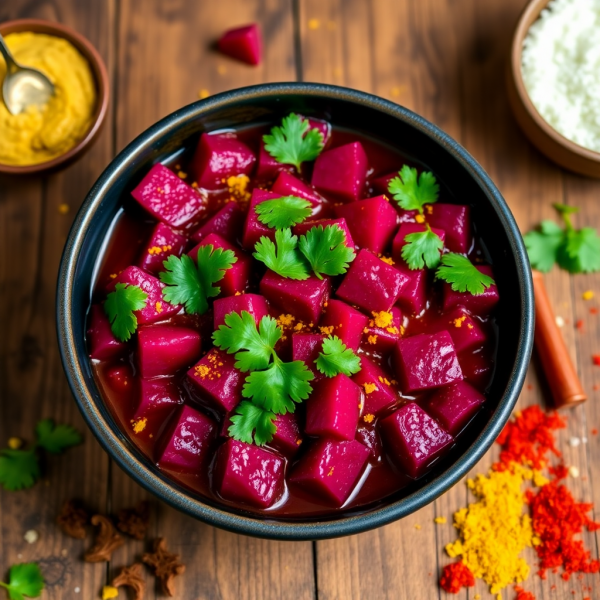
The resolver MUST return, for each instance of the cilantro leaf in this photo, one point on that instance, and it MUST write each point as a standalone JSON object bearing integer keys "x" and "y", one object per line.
{"x": 192, "y": 284}
{"x": 326, "y": 250}
{"x": 463, "y": 275}
{"x": 583, "y": 248}
{"x": 282, "y": 256}
{"x": 422, "y": 248}
{"x": 543, "y": 245}
{"x": 251, "y": 423}
{"x": 413, "y": 193}
{"x": 337, "y": 358}
{"x": 56, "y": 438}
{"x": 24, "y": 580}
{"x": 19, "y": 469}
{"x": 283, "y": 212}
{"x": 289, "y": 145}
{"x": 119, "y": 308}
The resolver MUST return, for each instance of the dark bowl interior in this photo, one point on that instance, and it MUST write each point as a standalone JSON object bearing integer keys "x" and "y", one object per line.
{"x": 389, "y": 123}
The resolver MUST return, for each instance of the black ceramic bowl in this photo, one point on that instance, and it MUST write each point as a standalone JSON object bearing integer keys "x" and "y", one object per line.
{"x": 417, "y": 139}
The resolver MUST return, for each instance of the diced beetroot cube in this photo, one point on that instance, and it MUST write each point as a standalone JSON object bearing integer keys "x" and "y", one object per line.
{"x": 268, "y": 167}
{"x": 372, "y": 222}
{"x": 288, "y": 438}
{"x": 227, "y": 223}
{"x": 242, "y": 43}
{"x": 323, "y": 126}
{"x": 288, "y": 185}
{"x": 157, "y": 307}
{"x": 170, "y": 199}
{"x": 413, "y": 295}
{"x": 477, "y": 369}
{"x": 341, "y": 172}
{"x": 371, "y": 284}
{"x": 249, "y": 474}
{"x": 254, "y": 304}
{"x": 345, "y": 322}
{"x": 237, "y": 277}
{"x": 102, "y": 342}
{"x": 465, "y": 331}
{"x": 120, "y": 378}
{"x": 216, "y": 377}
{"x": 253, "y": 228}
{"x": 368, "y": 435}
{"x": 413, "y": 439}
{"x": 163, "y": 243}
{"x": 307, "y": 347}
{"x": 219, "y": 156}
{"x": 157, "y": 399}
{"x": 377, "y": 386}
{"x": 164, "y": 349}
{"x": 333, "y": 408}
{"x": 455, "y": 220}
{"x": 454, "y": 406}
{"x": 426, "y": 361}
{"x": 381, "y": 184}
{"x": 482, "y": 304}
{"x": 303, "y": 299}
{"x": 383, "y": 331}
{"x": 406, "y": 229}
{"x": 330, "y": 469}
{"x": 302, "y": 228}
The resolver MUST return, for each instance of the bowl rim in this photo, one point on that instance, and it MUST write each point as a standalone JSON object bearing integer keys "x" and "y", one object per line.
{"x": 528, "y": 16}
{"x": 286, "y": 530}
{"x": 99, "y": 72}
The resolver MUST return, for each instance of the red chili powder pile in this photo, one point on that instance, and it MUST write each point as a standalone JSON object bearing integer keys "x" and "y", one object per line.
{"x": 456, "y": 576}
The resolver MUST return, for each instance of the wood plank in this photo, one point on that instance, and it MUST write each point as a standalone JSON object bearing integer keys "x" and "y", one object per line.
{"x": 32, "y": 383}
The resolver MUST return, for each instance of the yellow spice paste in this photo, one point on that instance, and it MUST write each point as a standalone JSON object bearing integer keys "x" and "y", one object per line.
{"x": 36, "y": 136}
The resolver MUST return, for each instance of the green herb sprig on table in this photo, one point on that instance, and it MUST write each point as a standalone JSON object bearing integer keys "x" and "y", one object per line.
{"x": 119, "y": 307}
{"x": 413, "y": 192}
{"x": 462, "y": 274}
{"x": 422, "y": 248}
{"x": 20, "y": 469}
{"x": 336, "y": 358}
{"x": 280, "y": 213}
{"x": 24, "y": 581}
{"x": 575, "y": 250}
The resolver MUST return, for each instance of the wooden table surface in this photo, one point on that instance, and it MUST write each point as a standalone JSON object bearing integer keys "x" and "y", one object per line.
{"x": 445, "y": 59}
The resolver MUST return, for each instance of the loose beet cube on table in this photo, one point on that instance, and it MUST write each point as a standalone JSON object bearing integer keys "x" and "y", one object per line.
{"x": 345, "y": 322}
{"x": 330, "y": 469}
{"x": 426, "y": 361}
{"x": 169, "y": 198}
{"x": 157, "y": 399}
{"x": 455, "y": 220}
{"x": 377, "y": 386}
{"x": 102, "y": 341}
{"x": 481, "y": 304}
{"x": 242, "y": 43}
{"x": 465, "y": 331}
{"x": 413, "y": 439}
{"x": 383, "y": 330}
{"x": 253, "y": 228}
{"x": 303, "y": 228}
{"x": 254, "y": 304}
{"x": 249, "y": 474}
{"x": 227, "y": 223}
{"x": 163, "y": 243}
{"x": 307, "y": 347}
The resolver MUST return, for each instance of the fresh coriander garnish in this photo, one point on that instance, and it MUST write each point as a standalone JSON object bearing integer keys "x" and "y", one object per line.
{"x": 412, "y": 193}
{"x": 336, "y": 358}
{"x": 20, "y": 469}
{"x": 462, "y": 274}
{"x": 119, "y": 308}
{"x": 24, "y": 581}
{"x": 289, "y": 145}
{"x": 280, "y": 213}
{"x": 273, "y": 386}
{"x": 326, "y": 251}
{"x": 193, "y": 284}
{"x": 575, "y": 250}
{"x": 422, "y": 248}
{"x": 283, "y": 256}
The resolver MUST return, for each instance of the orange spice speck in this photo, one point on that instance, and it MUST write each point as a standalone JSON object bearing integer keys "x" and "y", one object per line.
{"x": 459, "y": 321}
{"x": 387, "y": 260}
{"x": 370, "y": 387}
{"x": 368, "y": 418}
{"x": 140, "y": 425}
{"x": 419, "y": 218}
{"x": 63, "y": 208}
{"x": 372, "y": 339}
{"x": 158, "y": 307}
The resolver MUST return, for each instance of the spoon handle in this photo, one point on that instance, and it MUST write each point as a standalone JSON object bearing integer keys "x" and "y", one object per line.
{"x": 11, "y": 64}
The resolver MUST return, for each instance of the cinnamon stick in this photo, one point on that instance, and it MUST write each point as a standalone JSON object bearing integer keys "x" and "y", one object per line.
{"x": 562, "y": 377}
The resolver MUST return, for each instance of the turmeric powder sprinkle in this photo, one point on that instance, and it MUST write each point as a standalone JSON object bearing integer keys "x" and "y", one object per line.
{"x": 459, "y": 321}
{"x": 368, "y": 418}
{"x": 382, "y": 319}
{"x": 372, "y": 339}
{"x": 109, "y": 592}
{"x": 238, "y": 187}
{"x": 440, "y": 520}
{"x": 139, "y": 425}
{"x": 369, "y": 388}
{"x": 388, "y": 260}
{"x": 419, "y": 218}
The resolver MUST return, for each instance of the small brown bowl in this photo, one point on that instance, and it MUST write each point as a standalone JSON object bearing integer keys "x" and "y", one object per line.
{"x": 102, "y": 90}
{"x": 555, "y": 146}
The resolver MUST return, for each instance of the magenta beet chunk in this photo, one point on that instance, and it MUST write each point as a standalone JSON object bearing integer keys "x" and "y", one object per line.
{"x": 163, "y": 349}
{"x": 477, "y": 369}
{"x": 302, "y": 228}
{"x": 186, "y": 445}
{"x": 426, "y": 361}
{"x": 333, "y": 408}
{"x": 454, "y": 406}
{"x": 323, "y": 126}
{"x": 413, "y": 439}
{"x": 288, "y": 185}
{"x": 170, "y": 199}
{"x": 101, "y": 340}
{"x": 236, "y": 278}
{"x": 216, "y": 378}
{"x": 255, "y": 304}
{"x": 227, "y": 223}
{"x": 303, "y": 299}
{"x": 307, "y": 347}
{"x": 377, "y": 386}
{"x": 345, "y": 322}
{"x": 465, "y": 331}
{"x": 455, "y": 220}
{"x": 157, "y": 307}
{"x": 406, "y": 229}
{"x": 268, "y": 168}
{"x": 330, "y": 469}
{"x": 372, "y": 222}
{"x": 379, "y": 335}
{"x": 218, "y": 156}
{"x": 163, "y": 243}
{"x": 120, "y": 378}
{"x": 288, "y": 438}
{"x": 481, "y": 305}
{"x": 341, "y": 172}
{"x": 242, "y": 43}
{"x": 248, "y": 474}
{"x": 381, "y": 184}
{"x": 253, "y": 228}
{"x": 413, "y": 295}
{"x": 371, "y": 284}
{"x": 157, "y": 399}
